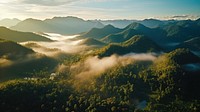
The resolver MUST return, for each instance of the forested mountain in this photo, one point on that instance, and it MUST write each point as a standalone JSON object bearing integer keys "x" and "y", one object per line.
{"x": 13, "y": 49}
{"x": 61, "y": 25}
{"x": 135, "y": 29}
{"x": 17, "y": 36}
{"x": 17, "y": 61}
{"x": 124, "y": 35}
{"x": 147, "y": 66}
{"x": 136, "y": 44}
{"x": 100, "y": 33}
{"x": 147, "y": 86}
{"x": 168, "y": 35}
{"x": 92, "y": 42}
{"x": 182, "y": 30}
{"x": 192, "y": 44}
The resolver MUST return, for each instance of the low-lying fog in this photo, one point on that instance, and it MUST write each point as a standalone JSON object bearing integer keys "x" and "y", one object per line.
{"x": 91, "y": 66}
{"x": 60, "y": 44}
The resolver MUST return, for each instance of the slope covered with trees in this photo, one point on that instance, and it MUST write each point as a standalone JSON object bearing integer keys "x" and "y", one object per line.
{"x": 136, "y": 44}
{"x": 17, "y": 61}
{"x": 16, "y": 36}
{"x": 100, "y": 33}
{"x": 160, "y": 85}
{"x": 115, "y": 76}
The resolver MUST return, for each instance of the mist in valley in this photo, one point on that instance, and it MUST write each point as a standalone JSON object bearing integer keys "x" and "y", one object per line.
{"x": 99, "y": 56}
{"x": 61, "y": 44}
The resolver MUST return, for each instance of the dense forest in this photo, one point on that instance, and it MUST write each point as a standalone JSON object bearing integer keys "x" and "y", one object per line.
{"x": 133, "y": 69}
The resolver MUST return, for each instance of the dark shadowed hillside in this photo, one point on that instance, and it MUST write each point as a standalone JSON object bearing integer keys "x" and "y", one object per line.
{"x": 17, "y": 61}
{"x": 17, "y": 36}
{"x": 9, "y": 48}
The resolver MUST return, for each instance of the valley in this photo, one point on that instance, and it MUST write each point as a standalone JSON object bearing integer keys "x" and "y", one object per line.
{"x": 113, "y": 69}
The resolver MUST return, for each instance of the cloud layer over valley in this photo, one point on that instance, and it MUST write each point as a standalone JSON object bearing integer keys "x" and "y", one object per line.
{"x": 94, "y": 66}
{"x": 61, "y": 44}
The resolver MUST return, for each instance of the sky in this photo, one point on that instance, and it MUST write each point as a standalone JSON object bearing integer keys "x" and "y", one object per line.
{"x": 101, "y": 9}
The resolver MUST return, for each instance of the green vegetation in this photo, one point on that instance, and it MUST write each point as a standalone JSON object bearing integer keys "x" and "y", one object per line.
{"x": 17, "y": 61}
{"x": 125, "y": 34}
{"x": 33, "y": 95}
{"x": 16, "y": 36}
{"x": 92, "y": 42}
{"x": 118, "y": 77}
{"x": 100, "y": 33}
{"x": 192, "y": 44}
{"x": 162, "y": 83}
{"x": 136, "y": 44}
{"x": 171, "y": 85}
{"x": 12, "y": 49}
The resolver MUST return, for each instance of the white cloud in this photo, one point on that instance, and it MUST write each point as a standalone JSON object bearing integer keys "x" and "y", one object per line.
{"x": 179, "y": 17}
{"x": 42, "y": 9}
{"x": 48, "y": 2}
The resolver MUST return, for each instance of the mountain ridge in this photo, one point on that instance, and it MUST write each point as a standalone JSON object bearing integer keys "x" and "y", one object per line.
{"x": 17, "y": 36}
{"x": 62, "y": 25}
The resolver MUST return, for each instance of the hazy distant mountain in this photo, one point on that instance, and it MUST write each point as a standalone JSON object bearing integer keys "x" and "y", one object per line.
{"x": 98, "y": 33}
{"x": 118, "y": 23}
{"x": 151, "y": 23}
{"x": 61, "y": 25}
{"x": 9, "y": 22}
{"x": 33, "y": 25}
{"x": 136, "y": 44}
{"x": 17, "y": 36}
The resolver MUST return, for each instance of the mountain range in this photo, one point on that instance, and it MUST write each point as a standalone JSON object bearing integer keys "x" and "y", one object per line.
{"x": 9, "y": 22}
{"x": 136, "y": 44}
{"x": 179, "y": 34}
{"x": 151, "y": 23}
{"x": 144, "y": 66}
{"x": 61, "y": 25}
{"x": 99, "y": 33}
{"x": 73, "y": 25}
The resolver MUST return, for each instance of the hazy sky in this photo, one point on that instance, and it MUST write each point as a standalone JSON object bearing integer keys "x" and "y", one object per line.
{"x": 101, "y": 9}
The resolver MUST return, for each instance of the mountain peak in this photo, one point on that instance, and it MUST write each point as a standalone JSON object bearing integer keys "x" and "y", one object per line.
{"x": 151, "y": 19}
{"x": 135, "y": 26}
{"x": 67, "y": 18}
{"x": 18, "y": 36}
{"x": 99, "y": 33}
{"x": 183, "y": 56}
{"x": 109, "y": 26}
{"x": 30, "y": 20}
{"x": 136, "y": 44}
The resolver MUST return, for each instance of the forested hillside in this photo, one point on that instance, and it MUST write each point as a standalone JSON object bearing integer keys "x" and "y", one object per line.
{"x": 133, "y": 69}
